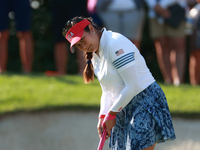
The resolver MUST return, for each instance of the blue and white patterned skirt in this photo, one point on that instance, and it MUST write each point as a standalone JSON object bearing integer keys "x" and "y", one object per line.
{"x": 144, "y": 121}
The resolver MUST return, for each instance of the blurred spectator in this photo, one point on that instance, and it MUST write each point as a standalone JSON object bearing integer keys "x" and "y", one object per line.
{"x": 126, "y": 17}
{"x": 63, "y": 10}
{"x": 198, "y": 1}
{"x": 167, "y": 25}
{"x": 193, "y": 31}
{"x": 92, "y": 12}
{"x": 22, "y": 11}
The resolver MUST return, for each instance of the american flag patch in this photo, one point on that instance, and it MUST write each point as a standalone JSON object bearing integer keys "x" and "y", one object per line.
{"x": 119, "y": 52}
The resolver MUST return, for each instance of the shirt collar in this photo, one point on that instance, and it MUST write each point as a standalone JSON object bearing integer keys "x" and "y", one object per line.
{"x": 102, "y": 41}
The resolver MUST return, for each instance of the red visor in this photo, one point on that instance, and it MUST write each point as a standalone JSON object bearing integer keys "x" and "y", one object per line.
{"x": 76, "y": 32}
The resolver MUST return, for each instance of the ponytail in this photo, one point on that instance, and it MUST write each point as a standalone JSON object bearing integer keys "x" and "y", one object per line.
{"x": 88, "y": 73}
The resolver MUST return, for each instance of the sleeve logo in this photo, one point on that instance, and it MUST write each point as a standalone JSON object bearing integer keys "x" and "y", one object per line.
{"x": 119, "y": 52}
{"x": 120, "y": 108}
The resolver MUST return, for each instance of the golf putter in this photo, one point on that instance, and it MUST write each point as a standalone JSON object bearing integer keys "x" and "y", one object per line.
{"x": 102, "y": 140}
{"x": 103, "y": 137}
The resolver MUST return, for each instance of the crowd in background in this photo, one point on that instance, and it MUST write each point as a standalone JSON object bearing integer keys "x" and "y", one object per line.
{"x": 168, "y": 31}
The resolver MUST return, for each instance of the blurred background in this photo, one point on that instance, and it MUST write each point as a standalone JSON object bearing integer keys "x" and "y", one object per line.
{"x": 44, "y": 43}
{"x": 43, "y": 40}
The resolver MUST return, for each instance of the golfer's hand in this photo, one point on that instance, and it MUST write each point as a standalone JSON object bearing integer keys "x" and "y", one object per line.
{"x": 109, "y": 125}
{"x": 100, "y": 127}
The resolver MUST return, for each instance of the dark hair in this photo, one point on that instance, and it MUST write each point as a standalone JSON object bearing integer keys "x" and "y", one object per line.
{"x": 88, "y": 73}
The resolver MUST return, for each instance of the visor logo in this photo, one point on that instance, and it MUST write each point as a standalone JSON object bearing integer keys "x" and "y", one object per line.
{"x": 69, "y": 36}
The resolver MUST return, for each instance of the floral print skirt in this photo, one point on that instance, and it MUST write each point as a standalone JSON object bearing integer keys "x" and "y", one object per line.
{"x": 144, "y": 121}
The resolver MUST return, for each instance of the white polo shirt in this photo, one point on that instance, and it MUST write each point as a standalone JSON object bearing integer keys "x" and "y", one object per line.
{"x": 121, "y": 71}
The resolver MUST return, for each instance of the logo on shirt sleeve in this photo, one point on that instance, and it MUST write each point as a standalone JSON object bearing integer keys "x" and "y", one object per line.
{"x": 120, "y": 108}
{"x": 124, "y": 60}
{"x": 119, "y": 52}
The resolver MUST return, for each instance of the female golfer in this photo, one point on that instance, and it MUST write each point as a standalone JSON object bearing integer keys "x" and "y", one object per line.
{"x": 133, "y": 106}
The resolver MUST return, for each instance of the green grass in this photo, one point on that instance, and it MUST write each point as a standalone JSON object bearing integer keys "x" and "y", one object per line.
{"x": 37, "y": 92}
{"x": 184, "y": 100}
{"x": 19, "y": 92}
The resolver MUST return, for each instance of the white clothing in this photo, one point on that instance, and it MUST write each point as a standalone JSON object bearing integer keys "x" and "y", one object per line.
{"x": 120, "y": 5}
{"x": 163, "y": 3}
{"x": 121, "y": 71}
